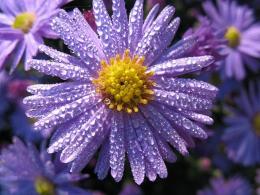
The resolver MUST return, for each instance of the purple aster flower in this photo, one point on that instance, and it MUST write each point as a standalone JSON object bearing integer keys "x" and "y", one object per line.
{"x": 242, "y": 136}
{"x": 24, "y": 170}
{"x": 236, "y": 24}
{"x": 123, "y": 93}
{"x": 23, "y": 24}
{"x": 208, "y": 42}
{"x": 232, "y": 186}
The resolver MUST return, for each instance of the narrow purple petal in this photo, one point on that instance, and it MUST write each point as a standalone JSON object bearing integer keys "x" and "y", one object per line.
{"x": 151, "y": 41}
{"x": 6, "y": 48}
{"x": 165, "y": 129}
{"x": 117, "y": 147}
{"x": 17, "y": 55}
{"x": 105, "y": 28}
{"x": 201, "y": 118}
{"x": 135, "y": 24}
{"x": 63, "y": 71}
{"x": 8, "y": 33}
{"x": 77, "y": 40}
{"x": 183, "y": 124}
{"x": 120, "y": 24}
{"x": 182, "y": 66}
{"x": 179, "y": 50}
{"x": 102, "y": 166}
{"x": 149, "y": 145}
{"x": 85, "y": 135}
{"x": 182, "y": 101}
{"x": 66, "y": 112}
{"x": 135, "y": 153}
{"x": 187, "y": 86}
{"x": 150, "y": 17}
{"x": 61, "y": 57}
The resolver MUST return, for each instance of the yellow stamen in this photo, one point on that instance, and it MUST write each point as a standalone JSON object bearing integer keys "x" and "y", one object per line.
{"x": 233, "y": 36}
{"x": 125, "y": 83}
{"x": 24, "y": 21}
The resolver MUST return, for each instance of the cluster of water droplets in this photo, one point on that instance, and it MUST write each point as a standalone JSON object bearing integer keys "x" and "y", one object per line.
{"x": 182, "y": 66}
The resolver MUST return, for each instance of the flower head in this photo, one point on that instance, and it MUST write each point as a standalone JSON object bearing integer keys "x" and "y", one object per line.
{"x": 124, "y": 94}
{"x": 23, "y": 26}
{"x": 24, "y": 170}
{"x": 236, "y": 24}
{"x": 234, "y": 186}
{"x": 242, "y": 136}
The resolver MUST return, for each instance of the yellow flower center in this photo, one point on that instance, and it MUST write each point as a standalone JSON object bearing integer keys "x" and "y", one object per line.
{"x": 125, "y": 83}
{"x": 256, "y": 123}
{"x": 44, "y": 187}
{"x": 233, "y": 36}
{"x": 24, "y": 21}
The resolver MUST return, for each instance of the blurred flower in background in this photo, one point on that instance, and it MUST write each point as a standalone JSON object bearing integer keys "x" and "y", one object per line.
{"x": 131, "y": 74}
{"x": 237, "y": 25}
{"x": 207, "y": 41}
{"x": 232, "y": 186}
{"x": 26, "y": 171}
{"x": 242, "y": 136}
{"x": 13, "y": 90}
{"x": 23, "y": 25}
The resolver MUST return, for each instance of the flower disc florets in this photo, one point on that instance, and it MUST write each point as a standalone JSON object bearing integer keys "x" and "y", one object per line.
{"x": 24, "y": 21}
{"x": 124, "y": 82}
{"x": 233, "y": 36}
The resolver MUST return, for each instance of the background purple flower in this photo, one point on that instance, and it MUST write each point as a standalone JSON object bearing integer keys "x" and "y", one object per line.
{"x": 232, "y": 186}
{"x": 24, "y": 171}
{"x": 23, "y": 25}
{"x": 207, "y": 41}
{"x": 236, "y": 24}
{"x": 13, "y": 90}
{"x": 242, "y": 135}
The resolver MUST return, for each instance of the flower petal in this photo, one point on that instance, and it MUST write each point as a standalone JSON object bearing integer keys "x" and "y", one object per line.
{"x": 102, "y": 166}
{"x": 182, "y": 66}
{"x": 135, "y": 24}
{"x": 66, "y": 112}
{"x": 135, "y": 153}
{"x": 105, "y": 28}
{"x": 164, "y": 129}
{"x": 149, "y": 145}
{"x": 117, "y": 146}
{"x": 63, "y": 71}
{"x": 120, "y": 24}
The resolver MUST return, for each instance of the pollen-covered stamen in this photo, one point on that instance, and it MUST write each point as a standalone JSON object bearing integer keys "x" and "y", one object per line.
{"x": 233, "y": 36}
{"x": 125, "y": 83}
{"x": 24, "y": 21}
{"x": 256, "y": 123}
